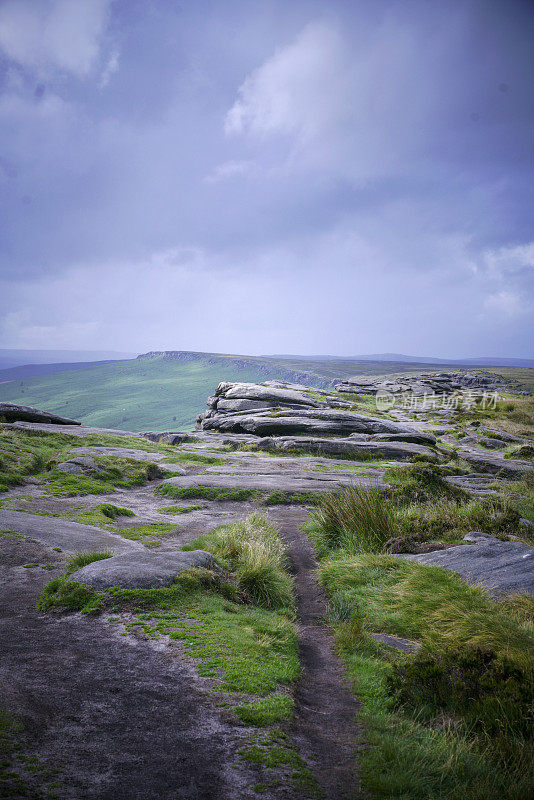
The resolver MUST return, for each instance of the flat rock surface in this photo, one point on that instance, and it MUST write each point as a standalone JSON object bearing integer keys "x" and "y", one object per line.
{"x": 490, "y": 462}
{"x": 12, "y": 412}
{"x": 75, "y": 429}
{"x": 502, "y": 567}
{"x": 141, "y": 570}
{"x": 270, "y": 480}
{"x": 71, "y": 536}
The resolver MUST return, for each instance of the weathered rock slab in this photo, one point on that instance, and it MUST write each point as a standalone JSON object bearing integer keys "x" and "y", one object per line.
{"x": 346, "y": 447}
{"x": 502, "y": 567}
{"x": 142, "y": 570}
{"x": 497, "y": 465}
{"x": 13, "y": 413}
{"x": 71, "y": 536}
{"x": 79, "y": 465}
{"x": 257, "y": 391}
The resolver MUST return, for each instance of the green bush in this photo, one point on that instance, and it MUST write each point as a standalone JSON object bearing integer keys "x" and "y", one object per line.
{"x": 489, "y": 691}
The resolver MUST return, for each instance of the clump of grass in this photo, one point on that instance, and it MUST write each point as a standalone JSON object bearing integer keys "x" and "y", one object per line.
{"x": 80, "y": 560}
{"x": 354, "y": 519}
{"x": 61, "y": 593}
{"x": 112, "y": 512}
{"x": 450, "y": 520}
{"x": 253, "y": 550}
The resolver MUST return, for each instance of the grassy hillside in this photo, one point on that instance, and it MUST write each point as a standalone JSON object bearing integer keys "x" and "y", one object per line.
{"x": 167, "y": 392}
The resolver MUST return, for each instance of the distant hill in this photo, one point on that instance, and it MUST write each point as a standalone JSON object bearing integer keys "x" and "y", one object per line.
{"x": 168, "y": 389}
{"x": 17, "y": 358}
{"x": 399, "y": 358}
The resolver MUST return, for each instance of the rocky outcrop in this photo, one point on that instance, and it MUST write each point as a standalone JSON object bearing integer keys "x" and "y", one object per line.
{"x": 420, "y": 384}
{"x": 142, "y": 570}
{"x": 265, "y": 410}
{"x": 12, "y": 412}
{"x": 286, "y": 418}
{"x": 502, "y": 567}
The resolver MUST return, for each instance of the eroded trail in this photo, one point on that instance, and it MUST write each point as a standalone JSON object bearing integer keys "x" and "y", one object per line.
{"x": 324, "y": 729}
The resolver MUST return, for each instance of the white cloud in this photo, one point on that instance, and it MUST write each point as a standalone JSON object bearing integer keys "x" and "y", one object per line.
{"x": 346, "y": 103}
{"x": 508, "y": 259}
{"x": 504, "y": 302}
{"x": 53, "y": 34}
{"x": 296, "y": 90}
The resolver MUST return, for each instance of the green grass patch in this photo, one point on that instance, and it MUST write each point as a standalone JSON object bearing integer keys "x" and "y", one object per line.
{"x": 271, "y": 709}
{"x": 178, "y": 509}
{"x": 66, "y": 595}
{"x": 207, "y": 493}
{"x": 32, "y": 452}
{"x": 195, "y": 458}
{"x": 222, "y": 494}
{"x": 423, "y": 482}
{"x": 275, "y": 757}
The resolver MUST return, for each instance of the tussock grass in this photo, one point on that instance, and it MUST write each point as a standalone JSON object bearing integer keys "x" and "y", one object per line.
{"x": 450, "y": 520}
{"x": 253, "y": 551}
{"x": 80, "y": 560}
{"x": 354, "y": 519}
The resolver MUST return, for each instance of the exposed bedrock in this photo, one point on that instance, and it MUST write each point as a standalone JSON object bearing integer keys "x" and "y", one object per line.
{"x": 502, "y": 567}
{"x": 12, "y": 412}
{"x": 333, "y": 446}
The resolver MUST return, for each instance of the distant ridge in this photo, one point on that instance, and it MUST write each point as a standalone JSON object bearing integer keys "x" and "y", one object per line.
{"x": 483, "y": 361}
{"x": 18, "y": 357}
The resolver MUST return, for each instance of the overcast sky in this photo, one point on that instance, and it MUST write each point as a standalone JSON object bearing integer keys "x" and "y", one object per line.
{"x": 265, "y": 176}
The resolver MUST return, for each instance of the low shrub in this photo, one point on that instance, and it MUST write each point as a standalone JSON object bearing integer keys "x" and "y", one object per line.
{"x": 490, "y": 692}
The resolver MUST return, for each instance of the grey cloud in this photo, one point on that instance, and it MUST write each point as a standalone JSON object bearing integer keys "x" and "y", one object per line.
{"x": 370, "y": 163}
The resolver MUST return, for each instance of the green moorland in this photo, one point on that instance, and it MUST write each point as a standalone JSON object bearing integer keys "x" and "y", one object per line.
{"x": 161, "y": 392}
